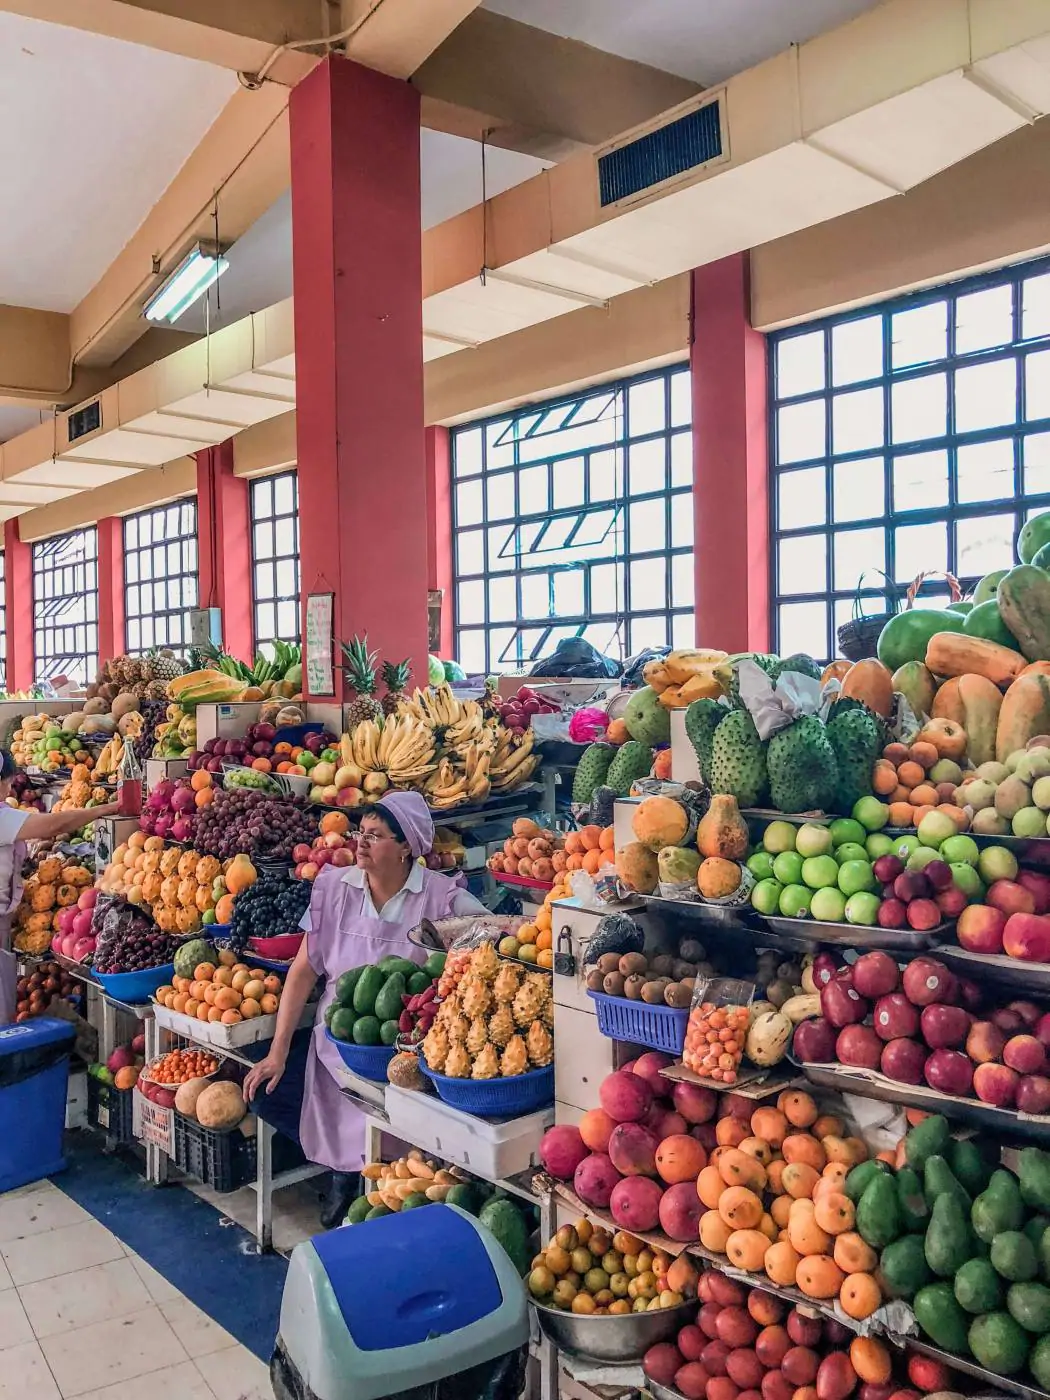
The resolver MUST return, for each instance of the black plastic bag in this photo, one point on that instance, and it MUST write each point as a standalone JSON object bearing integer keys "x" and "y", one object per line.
{"x": 634, "y": 665}
{"x": 575, "y": 657}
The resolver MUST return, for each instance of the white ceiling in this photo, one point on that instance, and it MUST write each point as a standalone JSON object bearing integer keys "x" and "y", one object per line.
{"x": 706, "y": 40}
{"x": 92, "y": 131}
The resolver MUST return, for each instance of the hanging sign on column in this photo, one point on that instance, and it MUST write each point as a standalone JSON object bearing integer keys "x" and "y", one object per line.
{"x": 320, "y": 667}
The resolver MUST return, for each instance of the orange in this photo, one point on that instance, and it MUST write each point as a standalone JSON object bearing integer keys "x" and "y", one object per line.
{"x": 854, "y": 1255}
{"x": 859, "y": 1295}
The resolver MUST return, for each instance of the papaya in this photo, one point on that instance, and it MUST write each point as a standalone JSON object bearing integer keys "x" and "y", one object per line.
{"x": 1024, "y": 602}
{"x": 914, "y": 682}
{"x": 952, "y": 654}
{"x": 973, "y": 702}
{"x": 872, "y": 683}
{"x": 1025, "y": 713}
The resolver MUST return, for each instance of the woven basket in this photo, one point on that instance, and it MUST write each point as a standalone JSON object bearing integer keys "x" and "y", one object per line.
{"x": 859, "y": 637}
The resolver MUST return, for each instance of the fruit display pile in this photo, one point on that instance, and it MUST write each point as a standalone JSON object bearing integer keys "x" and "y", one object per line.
{"x": 261, "y": 750}
{"x": 129, "y": 941}
{"x": 267, "y": 908}
{"x": 183, "y": 890}
{"x": 76, "y": 937}
{"x": 160, "y": 1080}
{"x": 253, "y": 824}
{"x": 517, "y": 710}
{"x": 40, "y": 989}
{"x": 168, "y": 812}
{"x": 659, "y": 979}
{"x": 588, "y": 1271}
{"x": 371, "y": 1004}
{"x": 54, "y": 882}
{"x": 334, "y": 844}
{"x": 124, "y": 1065}
{"x": 220, "y": 988}
{"x": 539, "y": 854}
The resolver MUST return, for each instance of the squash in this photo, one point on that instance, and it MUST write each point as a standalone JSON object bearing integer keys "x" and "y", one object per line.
{"x": 722, "y": 830}
{"x": 955, "y": 654}
{"x": 220, "y": 1106}
{"x": 240, "y": 875}
{"x": 1025, "y": 713}
{"x": 872, "y": 683}
{"x": 974, "y": 702}
{"x": 1024, "y": 604}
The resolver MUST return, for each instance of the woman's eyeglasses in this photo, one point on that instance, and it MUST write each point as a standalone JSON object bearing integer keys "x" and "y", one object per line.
{"x": 369, "y": 838}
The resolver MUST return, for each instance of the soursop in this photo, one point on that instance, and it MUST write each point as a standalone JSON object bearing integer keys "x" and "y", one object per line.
{"x": 801, "y": 664}
{"x": 702, "y": 718}
{"x": 803, "y": 769}
{"x": 633, "y": 761}
{"x": 856, "y": 736}
{"x": 769, "y": 664}
{"x": 738, "y": 759}
{"x": 591, "y": 770}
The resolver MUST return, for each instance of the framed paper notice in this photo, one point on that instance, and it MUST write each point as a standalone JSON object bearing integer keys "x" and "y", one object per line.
{"x": 320, "y": 668}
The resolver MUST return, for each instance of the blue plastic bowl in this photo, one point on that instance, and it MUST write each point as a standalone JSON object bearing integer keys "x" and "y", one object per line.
{"x": 135, "y": 988}
{"x": 496, "y": 1098}
{"x": 369, "y": 1061}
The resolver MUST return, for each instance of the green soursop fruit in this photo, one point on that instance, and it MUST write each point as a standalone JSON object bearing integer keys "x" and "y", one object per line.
{"x": 801, "y": 664}
{"x": 738, "y": 759}
{"x": 591, "y": 770}
{"x": 646, "y": 719}
{"x": 768, "y": 663}
{"x": 633, "y": 761}
{"x": 702, "y": 718}
{"x": 856, "y": 736}
{"x": 803, "y": 769}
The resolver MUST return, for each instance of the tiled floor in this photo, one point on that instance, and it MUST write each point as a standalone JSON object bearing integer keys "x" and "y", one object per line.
{"x": 82, "y": 1316}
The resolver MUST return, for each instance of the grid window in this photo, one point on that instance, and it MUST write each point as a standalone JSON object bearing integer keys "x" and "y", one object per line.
{"x": 907, "y": 437}
{"x": 160, "y": 576}
{"x": 275, "y": 558}
{"x": 575, "y": 519}
{"x": 65, "y": 606}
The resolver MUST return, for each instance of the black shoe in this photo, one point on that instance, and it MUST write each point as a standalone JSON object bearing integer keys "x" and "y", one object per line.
{"x": 342, "y": 1191}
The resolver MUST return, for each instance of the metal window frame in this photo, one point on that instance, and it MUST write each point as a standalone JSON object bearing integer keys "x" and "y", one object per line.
{"x": 1019, "y": 504}
{"x": 512, "y": 431}
{"x": 269, "y": 562}
{"x": 59, "y": 647}
{"x": 170, "y": 626}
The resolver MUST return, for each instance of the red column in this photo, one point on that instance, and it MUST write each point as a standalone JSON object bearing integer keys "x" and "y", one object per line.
{"x": 224, "y": 546}
{"x": 357, "y": 273}
{"x": 730, "y": 472}
{"x": 18, "y": 600}
{"x": 439, "y": 529}
{"x": 111, "y": 620}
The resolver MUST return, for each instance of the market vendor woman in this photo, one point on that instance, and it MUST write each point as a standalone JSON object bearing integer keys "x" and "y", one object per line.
{"x": 358, "y": 914}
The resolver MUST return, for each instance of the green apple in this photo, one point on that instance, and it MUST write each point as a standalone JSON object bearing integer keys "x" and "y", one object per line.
{"x": 967, "y": 879}
{"x": 996, "y": 863}
{"x": 813, "y": 840}
{"x": 921, "y": 857}
{"x": 904, "y": 845}
{"x": 854, "y": 876}
{"x": 778, "y": 836}
{"x": 761, "y": 865}
{"x": 851, "y": 850}
{"x": 844, "y": 829}
{"x": 787, "y": 868}
{"x": 935, "y": 828}
{"x": 878, "y": 844}
{"x": 871, "y": 813}
{"x": 960, "y": 848}
{"x": 863, "y": 908}
{"x": 820, "y": 872}
{"x": 1029, "y": 821}
{"x": 795, "y": 901}
{"x": 829, "y": 905}
{"x": 765, "y": 897}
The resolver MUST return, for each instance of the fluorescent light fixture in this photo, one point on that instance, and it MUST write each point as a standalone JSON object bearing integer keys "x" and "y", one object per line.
{"x": 201, "y": 267}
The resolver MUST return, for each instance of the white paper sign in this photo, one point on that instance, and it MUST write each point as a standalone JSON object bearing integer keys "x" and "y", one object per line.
{"x": 320, "y": 671}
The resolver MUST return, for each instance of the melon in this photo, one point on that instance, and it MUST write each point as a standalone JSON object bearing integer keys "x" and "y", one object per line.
{"x": 678, "y": 865}
{"x": 646, "y": 718}
{"x": 187, "y": 1094}
{"x": 660, "y": 822}
{"x": 220, "y": 1105}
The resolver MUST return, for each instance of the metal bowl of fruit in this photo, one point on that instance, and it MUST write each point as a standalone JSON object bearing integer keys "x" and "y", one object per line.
{"x": 615, "y": 1339}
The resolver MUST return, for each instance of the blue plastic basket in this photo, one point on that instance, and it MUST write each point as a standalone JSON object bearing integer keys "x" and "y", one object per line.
{"x": 659, "y": 1027}
{"x": 369, "y": 1061}
{"x": 496, "y": 1098}
{"x": 135, "y": 988}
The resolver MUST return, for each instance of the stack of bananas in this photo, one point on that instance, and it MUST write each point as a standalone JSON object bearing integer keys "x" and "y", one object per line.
{"x": 513, "y": 761}
{"x": 108, "y": 760}
{"x": 402, "y": 748}
{"x": 450, "y": 786}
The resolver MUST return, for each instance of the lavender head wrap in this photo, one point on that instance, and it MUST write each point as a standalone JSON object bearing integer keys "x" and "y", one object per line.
{"x": 413, "y": 817}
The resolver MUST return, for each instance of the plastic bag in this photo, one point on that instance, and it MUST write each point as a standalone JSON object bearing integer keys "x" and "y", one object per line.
{"x": 575, "y": 657}
{"x": 775, "y": 707}
{"x": 717, "y": 1028}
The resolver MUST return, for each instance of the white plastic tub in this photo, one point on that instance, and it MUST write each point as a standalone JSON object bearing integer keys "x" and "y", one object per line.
{"x": 489, "y": 1148}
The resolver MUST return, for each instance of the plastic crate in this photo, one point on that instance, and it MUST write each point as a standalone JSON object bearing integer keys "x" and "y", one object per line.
{"x": 659, "y": 1027}
{"x": 110, "y": 1109}
{"x": 226, "y": 1160}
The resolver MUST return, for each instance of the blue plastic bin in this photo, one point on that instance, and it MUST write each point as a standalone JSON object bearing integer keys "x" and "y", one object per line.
{"x": 369, "y": 1061}
{"x": 641, "y": 1023}
{"x": 135, "y": 988}
{"x": 34, "y": 1073}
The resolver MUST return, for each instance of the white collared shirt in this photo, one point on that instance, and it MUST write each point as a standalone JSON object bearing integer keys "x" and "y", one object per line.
{"x": 463, "y": 902}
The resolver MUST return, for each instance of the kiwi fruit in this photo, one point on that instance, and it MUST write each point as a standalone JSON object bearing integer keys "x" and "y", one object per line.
{"x": 653, "y": 992}
{"x": 692, "y": 951}
{"x": 612, "y": 984}
{"x": 632, "y": 987}
{"x": 662, "y": 965}
{"x": 682, "y": 969}
{"x": 632, "y": 963}
{"x": 678, "y": 996}
{"x": 779, "y": 992}
{"x": 609, "y": 962}
{"x": 595, "y": 980}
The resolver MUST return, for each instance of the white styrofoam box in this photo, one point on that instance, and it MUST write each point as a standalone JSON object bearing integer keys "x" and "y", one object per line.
{"x": 623, "y": 817}
{"x": 77, "y": 1100}
{"x": 225, "y": 1037}
{"x": 582, "y": 1057}
{"x": 160, "y": 769}
{"x": 227, "y": 721}
{"x": 684, "y": 765}
{"x": 567, "y": 1112}
{"x": 493, "y": 1149}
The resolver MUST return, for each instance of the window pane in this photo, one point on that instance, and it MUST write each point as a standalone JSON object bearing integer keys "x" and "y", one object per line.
{"x": 985, "y": 471}
{"x": 920, "y": 481}
{"x": 856, "y": 350}
{"x": 857, "y": 552}
{"x": 1035, "y": 453}
{"x": 802, "y": 564}
{"x": 801, "y": 431}
{"x": 920, "y": 548}
{"x": 275, "y": 559}
{"x": 801, "y": 498}
{"x": 857, "y": 421}
{"x": 985, "y": 395}
{"x": 859, "y": 489}
{"x": 920, "y": 335}
{"x": 984, "y": 544}
{"x": 984, "y": 319}
{"x": 800, "y": 364}
{"x": 804, "y": 627}
{"x": 919, "y": 408}
{"x": 645, "y": 405}
{"x": 1037, "y": 385}
{"x": 1035, "y": 307}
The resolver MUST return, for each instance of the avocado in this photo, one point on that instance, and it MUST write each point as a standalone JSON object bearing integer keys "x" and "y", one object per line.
{"x": 999, "y": 1207}
{"x": 367, "y": 1031}
{"x": 927, "y": 1139}
{"x": 1036, "y": 1228}
{"x": 937, "y": 1178}
{"x": 342, "y": 1024}
{"x": 368, "y": 987}
{"x": 998, "y": 1343}
{"x": 972, "y": 1164}
{"x": 861, "y": 1174}
{"x": 415, "y": 1200}
{"x": 1043, "y": 1251}
{"x": 1034, "y": 1172}
{"x": 878, "y": 1216}
{"x": 462, "y": 1196}
{"x": 388, "y": 966}
{"x": 911, "y": 1202}
{"x": 1029, "y": 1305}
{"x": 358, "y": 1211}
{"x": 941, "y": 1318}
{"x": 435, "y": 965}
{"x": 388, "y": 1004}
{"x": 977, "y": 1287}
{"x": 903, "y": 1267}
{"x": 1013, "y": 1256}
{"x": 345, "y": 984}
{"x": 418, "y": 982}
{"x": 507, "y": 1223}
{"x": 1039, "y": 1362}
{"x": 388, "y": 1032}
{"x": 949, "y": 1242}
{"x": 329, "y": 1014}
{"x": 377, "y": 1211}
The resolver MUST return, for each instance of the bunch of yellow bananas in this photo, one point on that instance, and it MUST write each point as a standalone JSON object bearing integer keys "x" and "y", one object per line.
{"x": 401, "y": 747}
{"x": 436, "y": 706}
{"x": 513, "y": 761}
{"x": 109, "y": 759}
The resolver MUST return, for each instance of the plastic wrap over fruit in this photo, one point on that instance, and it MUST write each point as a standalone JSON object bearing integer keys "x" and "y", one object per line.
{"x": 588, "y": 725}
{"x": 616, "y": 933}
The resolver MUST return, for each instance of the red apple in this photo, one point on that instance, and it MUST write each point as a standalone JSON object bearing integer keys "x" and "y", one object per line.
{"x": 1010, "y": 897}
{"x": 913, "y": 884}
{"x": 944, "y": 1027}
{"x": 969, "y": 993}
{"x": 1038, "y": 886}
{"x": 1028, "y": 1012}
{"x": 1033, "y": 1094}
{"x": 1007, "y": 1020}
{"x": 858, "y": 1046}
{"x": 895, "y": 1017}
{"x": 904, "y": 1061}
{"x": 1027, "y": 936}
{"x": 1025, "y": 1054}
{"x": 887, "y": 868}
{"x": 923, "y": 914}
{"x": 980, "y": 929}
{"x": 1042, "y": 1030}
{"x": 893, "y": 913}
{"x": 841, "y": 1004}
{"x": 939, "y": 874}
{"x": 876, "y": 974}
{"x": 951, "y": 902}
{"x": 995, "y": 1084}
{"x": 926, "y": 980}
{"x": 950, "y": 1072}
{"x": 985, "y": 1041}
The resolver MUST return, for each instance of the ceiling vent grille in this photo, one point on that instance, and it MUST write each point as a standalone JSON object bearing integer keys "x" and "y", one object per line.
{"x": 85, "y": 420}
{"x": 674, "y": 149}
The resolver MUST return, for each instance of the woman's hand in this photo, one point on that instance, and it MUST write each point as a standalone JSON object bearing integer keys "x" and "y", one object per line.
{"x": 268, "y": 1072}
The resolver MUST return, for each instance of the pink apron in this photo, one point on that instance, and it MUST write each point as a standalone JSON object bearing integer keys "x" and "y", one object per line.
{"x": 342, "y": 936}
{"x": 8, "y": 957}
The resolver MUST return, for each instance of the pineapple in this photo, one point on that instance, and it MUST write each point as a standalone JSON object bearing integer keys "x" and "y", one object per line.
{"x": 528, "y": 1003}
{"x": 515, "y": 1059}
{"x": 457, "y": 1066}
{"x": 486, "y": 1066}
{"x": 477, "y": 1036}
{"x": 484, "y": 962}
{"x": 501, "y": 1026}
{"x": 505, "y": 987}
{"x": 360, "y": 670}
{"x": 476, "y": 997}
{"x": 161, "y": 664}
{"x": 435, "y": 1048}
{"x": 539, "y": 1045}
{"x": 395, "y": 678}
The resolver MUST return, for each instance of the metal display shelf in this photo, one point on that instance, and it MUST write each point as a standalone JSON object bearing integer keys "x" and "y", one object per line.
{"x": 1012, "y": 973}
{"x": 804, "y": 934}
{"x": 1003, "y": 1385}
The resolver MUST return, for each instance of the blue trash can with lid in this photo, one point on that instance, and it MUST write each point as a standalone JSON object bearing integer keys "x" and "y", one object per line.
{"x": 421, "y": 1305}
{"x": 34, "y": 1074}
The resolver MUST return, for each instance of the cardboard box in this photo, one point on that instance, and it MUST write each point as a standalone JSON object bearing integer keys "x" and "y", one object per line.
{"x": 562, "y": 690}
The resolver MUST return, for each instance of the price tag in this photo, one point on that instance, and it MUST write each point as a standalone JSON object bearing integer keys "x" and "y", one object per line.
{"x": 153, "y": 1124}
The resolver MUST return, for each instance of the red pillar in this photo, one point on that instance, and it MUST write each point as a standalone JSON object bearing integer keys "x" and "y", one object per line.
{"x": 730, "y": 471}
{"x": 111, "y": 619}
{"x": 224, "y": 546}
{"x": 18, "y": 601}
{"x": 439, "y": 529}
{"x": 357, "y": 273}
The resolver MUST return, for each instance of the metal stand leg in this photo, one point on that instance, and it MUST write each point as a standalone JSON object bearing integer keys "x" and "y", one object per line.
{"x": 264, "y": 1183}
{"x": 548, "y": 1352}
{"x": 156, "y": 1160}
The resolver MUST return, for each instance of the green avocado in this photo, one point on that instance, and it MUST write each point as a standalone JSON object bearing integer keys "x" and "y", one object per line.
{"x": 388, "y": 966}
{"x": 414, "y": 1201}
{"x": 1036, "y": 1228}
{"x": 1013, "y": 1256}
{"x": 941, "y": 1318}
{"x": 462, "y": 1196}
{"x": 388, "y": 1004}
{"x": 915, "y": 1213}
{"x": 972, "y": 1163}
{"x": 342, "y": 1024}
{"x": 345, "y": 984}
{"x": 903, "y": 1267}
{"x": 377, "y": 1211}
{"x": 388, "y": 1032}
{"x": 435, "y": 965}
{"x": 1039, "y": 1362}
{"x": 977, "y": 1287}
{"x": 1034, "y": 1173}
{"x": 949, "y": 1243}
{"x": 329, "y": 1013}
{"x": 998, "y": 1208}
{"x": 860, "y": 1175}
{"x": 1029, "y": 1304}
{"x": 927, "y": 1139}
{"x": 367, "y": 1031}
{"x": 998, "y": 1343}
{"x": 938, "y": 1180}
{"x": 369, "y": 985}
{"x": 418, "y": 982}
{"x": 507, "y": 1223}
{"x": 358, "y": 1211}
{"x": 878, "y": 1215}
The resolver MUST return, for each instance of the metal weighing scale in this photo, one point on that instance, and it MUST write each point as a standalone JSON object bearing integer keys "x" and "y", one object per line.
{"x": 421, "y": 1305}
